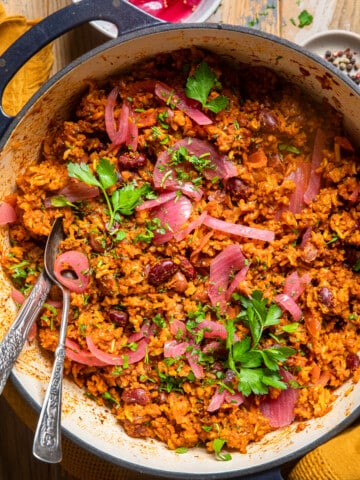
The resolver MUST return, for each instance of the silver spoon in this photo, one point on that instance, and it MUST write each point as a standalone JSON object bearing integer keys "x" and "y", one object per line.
{"x": 13, "y": 342}
{"x": 47, "y": 440}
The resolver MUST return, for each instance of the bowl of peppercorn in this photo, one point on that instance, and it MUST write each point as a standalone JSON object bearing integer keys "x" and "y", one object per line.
{"x": 339, "y": 47}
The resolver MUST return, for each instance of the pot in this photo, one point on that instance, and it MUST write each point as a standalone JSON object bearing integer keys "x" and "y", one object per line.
{"x": 92, "y": 427}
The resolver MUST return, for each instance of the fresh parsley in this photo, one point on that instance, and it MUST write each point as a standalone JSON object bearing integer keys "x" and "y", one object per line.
{"x": 304, "y": 19}
{"x": 218, "y": 445}
{"x": 199, "y": 87}
{"x": 123, "y": 200}
{"x": 257, "y": 369}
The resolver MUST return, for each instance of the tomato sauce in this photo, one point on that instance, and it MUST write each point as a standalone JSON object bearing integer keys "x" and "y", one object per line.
{"x": 168, "y": 10}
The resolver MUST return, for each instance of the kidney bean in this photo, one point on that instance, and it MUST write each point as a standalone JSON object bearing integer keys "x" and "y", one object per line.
{"x": 180, "y": 283}
{"x": 136, "y": 395}
{"x": 352, "y": 361}
{"x": 268, "y": 121}
{"x": 131, "y": 161}
{"x": 236, "y": 188}
{"x": 326, "y": 297}
{"x": 187, "y": 268}
{"x": 162, "y": 272}
{"x": 119, "y": 317}
{"x": 96, "y": 243}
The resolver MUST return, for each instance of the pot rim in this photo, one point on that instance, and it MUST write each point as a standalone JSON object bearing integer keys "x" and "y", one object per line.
{"x": 158, "y": 30}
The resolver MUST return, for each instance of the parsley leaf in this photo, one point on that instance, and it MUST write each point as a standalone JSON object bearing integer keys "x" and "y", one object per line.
{"x": 305, "y": 18}
{"x": 218, "y": 445}
{"x": 123, "y": 200}
{"x": 199, "y": 86}
{"x": 257, "y": 369}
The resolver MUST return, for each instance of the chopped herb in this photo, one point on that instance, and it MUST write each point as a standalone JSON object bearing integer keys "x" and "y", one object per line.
{"x": 122, "y": 200}
{"x": 199, "y": 86}
{"x": 256, "y": 369}
{"x": 218, "y": 445}
{"x": 305, "y": 19}
{"x": 289, "y": 148}
{"x": 181, "y": 450}
{"x": 291, "y": 327}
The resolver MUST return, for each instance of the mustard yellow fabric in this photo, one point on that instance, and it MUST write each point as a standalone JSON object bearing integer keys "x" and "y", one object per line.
{"x": 338, "y": 459}
{"x": 33, "y": 74}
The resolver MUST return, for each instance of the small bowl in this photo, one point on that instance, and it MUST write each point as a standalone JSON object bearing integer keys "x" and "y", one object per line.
{"x": 341, "y": 48}
{"x": 202, "y": 12}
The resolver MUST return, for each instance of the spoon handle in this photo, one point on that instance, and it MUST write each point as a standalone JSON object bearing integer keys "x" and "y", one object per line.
{"x": 47, "y": 439}
{"x": 15, "y": 338}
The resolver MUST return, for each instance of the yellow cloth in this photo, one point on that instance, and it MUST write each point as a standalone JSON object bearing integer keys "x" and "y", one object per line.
{"x": 338, "y": 459}
{"x": 33, "y": 74}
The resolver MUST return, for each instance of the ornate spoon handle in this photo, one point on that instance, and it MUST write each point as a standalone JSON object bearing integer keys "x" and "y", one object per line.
{"x": 47, "y": 439}
{"x": 15, "y": 339}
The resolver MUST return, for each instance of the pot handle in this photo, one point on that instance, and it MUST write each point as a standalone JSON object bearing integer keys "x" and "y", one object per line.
{"x": 124, "y": 15}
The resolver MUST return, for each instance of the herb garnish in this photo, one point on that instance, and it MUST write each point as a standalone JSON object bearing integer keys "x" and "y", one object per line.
{"x": 305, "y": 19}
{"x": 256, "y": 369}
{"x": 123, "y": 200}
{"x": 199, "y": 86}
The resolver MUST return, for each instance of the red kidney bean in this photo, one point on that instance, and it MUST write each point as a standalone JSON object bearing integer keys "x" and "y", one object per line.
{"x": 136, "y": 395}
{"x": 352, "y": 361}
{"x": 187, "y": 268}
{"x": 162, "y": 272}
{"x": 326, "y": 297}
{"x": 236, "y": 188}
{"x": 119, "y": 317}
{"x": 268, "y": 121}
{"x": 131, "y": 161}
{"x": 96, "y": 243}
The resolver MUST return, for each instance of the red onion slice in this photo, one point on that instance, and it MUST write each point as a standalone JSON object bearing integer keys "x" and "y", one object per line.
{"x": 162, "y": 198}
{"x": 74, "y": 192}
{"x": 176, "y": 100}
{"x": 192, "y": 226}
{"x": 295, "y": 285}
{"x": 79, "y": 264}
{"x": 239, "y": 230}
{"x": 74, "y": 352}
{"x": 226, "y": 263}
{"x": 280, "y": 411}
{"x": 175, "y": 349}
{"x": 129, "y": 356}
{"x": 172, "y": 215}
{"x": 289, "y": 304}
{"x": 315, "y": 177}
{"x": 7, "y": 214}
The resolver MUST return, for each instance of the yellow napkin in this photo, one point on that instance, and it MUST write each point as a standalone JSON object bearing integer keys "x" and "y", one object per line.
{"x": 33, "y": 74}
{"x": 338, "y": 459}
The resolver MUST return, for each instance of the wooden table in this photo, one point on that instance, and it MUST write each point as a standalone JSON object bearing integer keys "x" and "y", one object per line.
{"x": 279, "y": 17}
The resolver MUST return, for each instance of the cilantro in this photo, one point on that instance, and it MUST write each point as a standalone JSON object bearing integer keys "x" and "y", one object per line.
{"x": 199, "y": 86}
{"x": 122, "y": 200}
{"x": 218, "y": 445}
{"x": 256, "y": 369}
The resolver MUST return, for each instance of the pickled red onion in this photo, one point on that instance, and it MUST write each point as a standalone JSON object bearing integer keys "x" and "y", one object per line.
{"x": 74, "y": 192}
{"x": 239, "y": 230}
{"x": 79, "y": 264}
{"x": 289, "y": 304}
{"x": 7, "y": 213}
{"x": 177, "y": 100}
{"x": 162, "y": 198}
{"x": 315, "y": 177}
{"x": 281, "y": 410}
{"x": 172, "y": 215}
{"x": 74, "y": 352}
{"x": 128, "y": 356}
{"x": 226, "y": 263}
